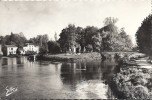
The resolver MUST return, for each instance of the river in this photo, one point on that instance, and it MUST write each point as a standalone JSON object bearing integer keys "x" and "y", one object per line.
{"x": 55, "y": 80}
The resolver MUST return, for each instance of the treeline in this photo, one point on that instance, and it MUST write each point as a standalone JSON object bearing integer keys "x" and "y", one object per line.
{"x": 13, "y": 39}
{"x": 91, "y": 38}
{"x": 144, "y": 36}
{"x": 107, "y": 38}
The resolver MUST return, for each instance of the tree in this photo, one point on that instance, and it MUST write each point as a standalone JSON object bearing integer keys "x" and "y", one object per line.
{"x": 90, "y": 31}
{"x": 42, "y": 50}
{"x": 97, "y": 42}
{"x": 80, "y": 33}
{"x": 53, "y": 47}
{"x": 17, "y": 39}
{"x": 4, "y": 50}
{"x": 110, "y": 20}
{"x": 18, "y": 51}
{"x": 55, "y": 36}
{"x": 125, "y": 40}
{"x": 68, "y": 38}
{"x": 109, "y": 34}
{"x": 13, "y": 39}
{"x": 144, "y": 36}
{"x": 1, "y": 39}
{"x": 112, "y": 40}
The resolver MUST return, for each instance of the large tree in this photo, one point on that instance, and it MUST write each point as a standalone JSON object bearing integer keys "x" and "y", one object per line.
{"x": 112, "y": 39}
{"x": 80, "y": 39}
{"x": 68, "y": 38}
{"x": 144, "y": 36}
{"x": 97, "y": 42}
{"x": 14, "y": 39}
{"x": 109, "y": 33}
{"x": 53, "y": 47}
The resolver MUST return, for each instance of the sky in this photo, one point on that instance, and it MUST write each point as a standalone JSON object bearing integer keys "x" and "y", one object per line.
{"x": 33, "y": 18}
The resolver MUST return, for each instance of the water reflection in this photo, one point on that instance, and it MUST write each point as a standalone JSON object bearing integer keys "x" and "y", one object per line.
{"x": 4, "y": 61}
{"x": 45, "y": 79}
{"x": 12, "y": 61}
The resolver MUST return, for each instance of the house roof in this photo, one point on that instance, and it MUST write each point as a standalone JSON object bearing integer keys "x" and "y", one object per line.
{"x": 29, "y": 44}
{"x": 11, "y": 46}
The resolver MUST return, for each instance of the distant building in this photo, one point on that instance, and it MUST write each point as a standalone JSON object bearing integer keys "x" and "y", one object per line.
{"x": 11, "y": 49}
{"x": 1, "y": 53}
{"x": 30, "y": 47}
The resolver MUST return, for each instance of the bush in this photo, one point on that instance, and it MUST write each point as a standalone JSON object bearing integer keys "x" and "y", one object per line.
{"x": 132, "y": 83}
{"x": 140, "y": 92}
{"x": 42, "y": 50}
{"x": 30, "y": 53}
{"x": 89, "y": 48}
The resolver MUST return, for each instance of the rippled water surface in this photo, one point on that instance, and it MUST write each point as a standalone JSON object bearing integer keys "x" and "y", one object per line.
{"x": 56, "y": 80}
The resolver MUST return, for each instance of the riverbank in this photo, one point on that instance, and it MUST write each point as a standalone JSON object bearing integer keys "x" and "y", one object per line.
{"x": 87, "y": 56}
{"x": 71, "y": 57}
{"x": 133, "y": 81}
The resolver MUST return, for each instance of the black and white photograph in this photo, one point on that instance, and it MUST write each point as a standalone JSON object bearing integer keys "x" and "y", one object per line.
{"x": 75, "y": 49}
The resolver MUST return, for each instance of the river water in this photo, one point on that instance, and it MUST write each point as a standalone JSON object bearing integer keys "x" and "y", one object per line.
{"x": 55, "y": 80}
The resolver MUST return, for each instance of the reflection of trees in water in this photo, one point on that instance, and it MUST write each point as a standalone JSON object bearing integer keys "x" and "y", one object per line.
{"x": 93, "y": 70}
{"x": 68, "y": 76}
{"x": 72, "y": 74}
{"x": 110, "y": 94}
{"x": 12, "y": 61}
{"x": 4, "y": 61}
{"x": 108, "y": 69}
{"x": 18, "y": 61}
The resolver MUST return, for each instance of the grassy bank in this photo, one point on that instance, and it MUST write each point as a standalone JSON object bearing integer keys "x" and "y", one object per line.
{"x": 72, "y": 57}
{"x": 84, "y": 56}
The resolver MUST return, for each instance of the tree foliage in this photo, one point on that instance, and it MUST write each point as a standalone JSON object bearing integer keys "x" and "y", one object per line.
{"x": 68, "y": 37}
{"x": 18, "y": 51}
{"x": 112, "y": 38}
{"x": 53, "y": 47}
{"x": 107, "y": 38}
{"x": 144, "y": 36}
{"x": 13, "y": 39}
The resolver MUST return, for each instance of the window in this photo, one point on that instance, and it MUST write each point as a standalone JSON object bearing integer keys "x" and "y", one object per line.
{"x": 11, "y": 48}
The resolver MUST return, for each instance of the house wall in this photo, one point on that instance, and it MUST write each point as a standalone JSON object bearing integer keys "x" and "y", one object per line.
{"x": 31, "y": 48}
{"x": 1, "y": 53}
{"x": 11, "y": 50}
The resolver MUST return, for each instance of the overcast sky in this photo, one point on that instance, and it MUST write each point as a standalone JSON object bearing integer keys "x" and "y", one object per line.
{"x": 33, "y": 18}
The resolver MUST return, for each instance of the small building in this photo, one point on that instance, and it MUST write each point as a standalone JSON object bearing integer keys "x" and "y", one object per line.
{"x": 30, "y": 47}
{"x": 11, "y": 49}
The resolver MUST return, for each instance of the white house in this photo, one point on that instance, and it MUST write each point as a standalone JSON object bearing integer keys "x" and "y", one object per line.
{"x": 11, "y": 49}
{"x": 1, "y": 50}
{"x": 30, "y": 47}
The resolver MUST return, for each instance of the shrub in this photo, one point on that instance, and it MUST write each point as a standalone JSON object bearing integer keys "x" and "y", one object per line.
{"x": 132, "y": 83}
{"x": 30, "y": 53}
{"x": 89, "y": 48}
